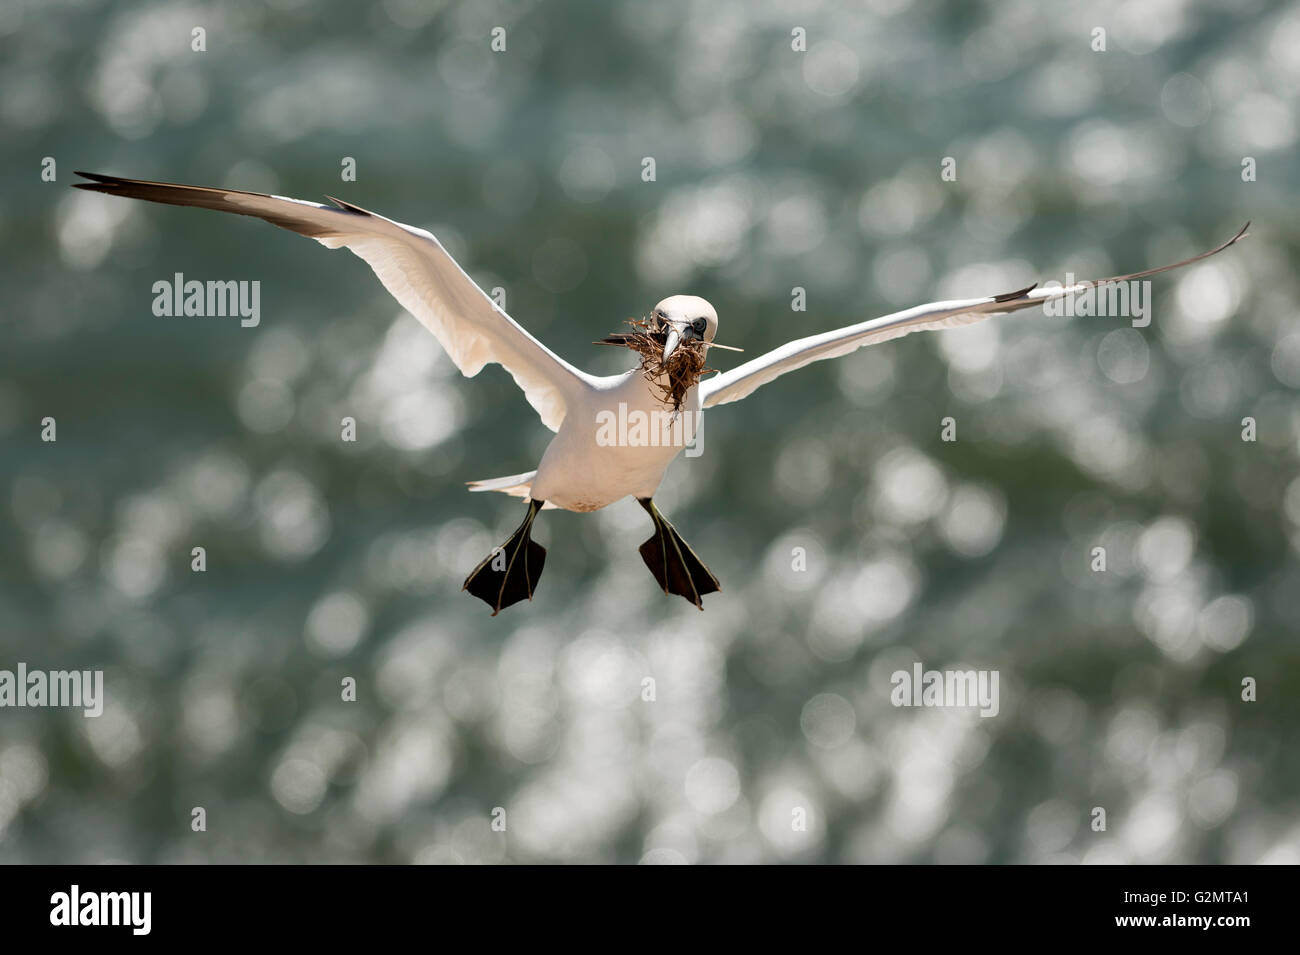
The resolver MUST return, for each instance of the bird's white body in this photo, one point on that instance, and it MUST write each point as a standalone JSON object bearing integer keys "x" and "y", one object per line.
{"x": 596, "y": 458}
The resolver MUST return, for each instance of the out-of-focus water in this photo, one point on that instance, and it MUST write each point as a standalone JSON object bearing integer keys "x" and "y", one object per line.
{"x": 774, "y": 169}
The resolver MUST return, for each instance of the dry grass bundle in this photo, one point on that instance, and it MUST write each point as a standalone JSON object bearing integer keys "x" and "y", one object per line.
{"x": 684, "y": 367}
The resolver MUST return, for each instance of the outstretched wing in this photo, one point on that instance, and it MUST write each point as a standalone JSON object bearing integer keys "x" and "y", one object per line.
{"x": 415, "y": 269}
{"x": 742, "y": 380}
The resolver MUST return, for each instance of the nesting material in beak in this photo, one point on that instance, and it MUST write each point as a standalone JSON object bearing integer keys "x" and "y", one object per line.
{"x": 669, "y": 360}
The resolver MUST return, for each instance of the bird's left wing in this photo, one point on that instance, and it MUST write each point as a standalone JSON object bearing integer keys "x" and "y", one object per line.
{"x": 744, "y": 379}
{"x": 416, "y": 270}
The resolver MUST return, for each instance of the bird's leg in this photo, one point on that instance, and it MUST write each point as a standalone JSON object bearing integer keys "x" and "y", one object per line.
{"x": 673, "y": 562}
{"x": 510, "y": 573}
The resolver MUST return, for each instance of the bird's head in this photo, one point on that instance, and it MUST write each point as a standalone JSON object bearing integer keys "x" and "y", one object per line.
{"x": 672, "y": 343}
{"x": 683, "y": 318}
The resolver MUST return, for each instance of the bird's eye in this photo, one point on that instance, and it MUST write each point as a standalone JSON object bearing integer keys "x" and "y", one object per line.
{"x": 699, "y": 325}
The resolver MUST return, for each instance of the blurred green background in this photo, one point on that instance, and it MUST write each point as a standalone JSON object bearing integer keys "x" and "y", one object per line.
{"x": 775, "y": 169}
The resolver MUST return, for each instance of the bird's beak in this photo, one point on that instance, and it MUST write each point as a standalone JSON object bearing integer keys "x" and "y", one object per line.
{"x": 675, "y": 335}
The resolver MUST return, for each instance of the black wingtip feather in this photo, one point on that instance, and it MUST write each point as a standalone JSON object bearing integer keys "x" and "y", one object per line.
{"x": 1008, "y": 296}
{"x": 98, "y": 183}
{"x": 349, "y": 207}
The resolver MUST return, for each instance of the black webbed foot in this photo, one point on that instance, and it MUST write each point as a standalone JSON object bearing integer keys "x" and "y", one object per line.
{"x": 676, "y": 567}
{"x": 510, "y": 573}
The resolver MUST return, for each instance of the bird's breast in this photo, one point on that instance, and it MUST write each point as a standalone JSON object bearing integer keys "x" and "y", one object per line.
{"x": 617, "y": 442}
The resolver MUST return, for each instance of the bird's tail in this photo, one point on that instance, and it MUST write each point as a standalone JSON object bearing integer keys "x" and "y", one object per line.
{"x": 516, "y": 485}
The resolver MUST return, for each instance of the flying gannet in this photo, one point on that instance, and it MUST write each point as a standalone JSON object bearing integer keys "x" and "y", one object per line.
{"x": 585, "y": 467}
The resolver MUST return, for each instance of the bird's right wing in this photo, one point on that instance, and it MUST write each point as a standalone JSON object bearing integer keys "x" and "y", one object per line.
{"x": 744, "y": 379}
{"x": 415, "y": 269}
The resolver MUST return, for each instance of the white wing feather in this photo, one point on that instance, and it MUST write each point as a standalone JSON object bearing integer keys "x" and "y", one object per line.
{"x": 415, "y": 269}
{"x": 742, "y": 380}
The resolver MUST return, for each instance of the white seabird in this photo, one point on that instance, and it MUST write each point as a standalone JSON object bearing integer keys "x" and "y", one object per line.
{"x": 582, "y": 469}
